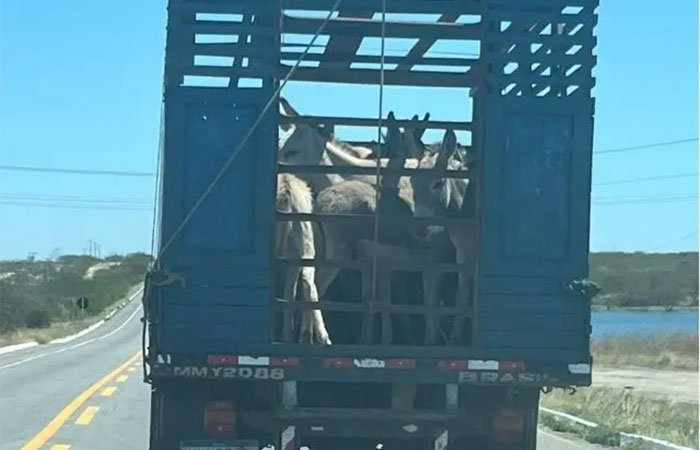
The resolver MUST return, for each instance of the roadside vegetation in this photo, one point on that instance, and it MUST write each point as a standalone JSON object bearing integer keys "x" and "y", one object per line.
{"x": 622, "y": 410}
{"x": 677, "y": 351}
{"x": 645, "y": 280}
{"x": 38, "y": 299}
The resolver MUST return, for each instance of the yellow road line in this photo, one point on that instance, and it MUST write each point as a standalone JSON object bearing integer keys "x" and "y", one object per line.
{"x": 122, "y": 378}
{"x": 131, "y": 369}
{"x": 108, "y": 391}
{"x": 86, "y": 417}
{"x": 52, "y": 427}
{"x": 60, "y": 447}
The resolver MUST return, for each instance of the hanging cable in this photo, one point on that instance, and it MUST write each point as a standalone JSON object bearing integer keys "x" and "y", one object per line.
{"x": 378, "y": 160}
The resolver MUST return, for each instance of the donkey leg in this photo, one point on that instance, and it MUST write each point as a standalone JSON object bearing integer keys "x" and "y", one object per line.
{"x": 429, "y": 294}
{"x": 463, "y": 240}
{"x": 313, "y": 323}
{"x": 290, "y": 290}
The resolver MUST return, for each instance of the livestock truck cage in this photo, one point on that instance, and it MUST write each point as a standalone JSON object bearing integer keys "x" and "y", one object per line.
{"x": 221, "y": 367}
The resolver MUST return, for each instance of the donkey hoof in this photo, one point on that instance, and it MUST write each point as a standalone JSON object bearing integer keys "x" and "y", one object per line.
{"x": 325, "y": 340}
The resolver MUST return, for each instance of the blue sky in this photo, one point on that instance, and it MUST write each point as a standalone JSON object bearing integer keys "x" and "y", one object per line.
{"x": 80, "y": 86}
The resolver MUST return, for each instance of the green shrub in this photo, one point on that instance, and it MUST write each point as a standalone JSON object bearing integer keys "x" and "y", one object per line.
{"x": 37, "y": 318}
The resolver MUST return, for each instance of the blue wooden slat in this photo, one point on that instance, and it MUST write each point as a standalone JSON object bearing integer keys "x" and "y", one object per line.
{"x": 225, "y": 219}
{"x": 194, "y": 329}
{"x": 536, "y": 156}
{"x": 199, "y": 270}
{"x": 508, "y": 320}
{"x": 535, "y": 187}
{"x": 529, "y": 4}
{"x": 521, "y": 285}
{"x": 519, "y": 304}
{"x": 198, "y": 317}
{"x": 541, "y": 340}
{"x": 403, "y": 6}
{"x": 214, "y": 296}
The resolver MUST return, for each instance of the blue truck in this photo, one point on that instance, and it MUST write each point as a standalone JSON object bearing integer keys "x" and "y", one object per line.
{"x": 223, "y": 375}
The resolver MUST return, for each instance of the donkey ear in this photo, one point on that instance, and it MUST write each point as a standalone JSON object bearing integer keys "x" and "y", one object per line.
{"x": 286, "y": 109}
{"x": 392, "y": 127}
{"x": 420, "y": 130}
{"x": 447, "y": 149}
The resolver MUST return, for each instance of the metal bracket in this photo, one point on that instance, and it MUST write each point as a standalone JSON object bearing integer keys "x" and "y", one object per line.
{"x": 165, "y": 277}
{"x": 289, "y": 394}
{"x": 452, "y": 396}
{"x": 582, "y": 286}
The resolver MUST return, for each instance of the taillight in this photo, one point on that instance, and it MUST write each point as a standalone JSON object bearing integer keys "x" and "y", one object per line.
{"x": 509, "y": 426}
{"x": 219, "y": 419}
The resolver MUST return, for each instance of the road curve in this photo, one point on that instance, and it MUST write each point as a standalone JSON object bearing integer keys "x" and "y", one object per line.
{"x": 38, "y": 382}
{"x": 90, "y": 393}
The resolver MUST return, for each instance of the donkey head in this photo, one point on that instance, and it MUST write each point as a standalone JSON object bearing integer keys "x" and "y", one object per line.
{"x": 301, "y": 143}
{"x": 433, "y": 192}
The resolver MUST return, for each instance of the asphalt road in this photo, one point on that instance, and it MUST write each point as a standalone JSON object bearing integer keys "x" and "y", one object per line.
{"x": 88, "y": 394}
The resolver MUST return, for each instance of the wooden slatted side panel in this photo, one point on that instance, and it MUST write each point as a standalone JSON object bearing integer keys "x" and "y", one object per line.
{"x": 218, "y": 78}
{"x": 537, "y": 140}
{"x": 342, "y": 53}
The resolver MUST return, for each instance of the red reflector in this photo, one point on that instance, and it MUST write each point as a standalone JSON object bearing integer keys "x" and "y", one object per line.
{"x": 511, "y": 366}
{"x": 219, "y": 419}
{"x": 509, "y": 426}
{"x": 284, "y": 362}
{"x": 342, "y": 363}
{"x": 453, "y": 364}
{"x": 400, "y": 363}
{"x": 222, "y": 360}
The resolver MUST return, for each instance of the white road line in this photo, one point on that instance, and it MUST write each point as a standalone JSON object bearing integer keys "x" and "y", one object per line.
{"x": 14, "y": 348}
{"x": 73, "y": 347}
{"x": 67, "y": 339}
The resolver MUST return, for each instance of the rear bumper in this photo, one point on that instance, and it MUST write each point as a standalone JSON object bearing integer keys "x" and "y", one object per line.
{"x": 385, "y": 370}
{"x": 344, "y": 423}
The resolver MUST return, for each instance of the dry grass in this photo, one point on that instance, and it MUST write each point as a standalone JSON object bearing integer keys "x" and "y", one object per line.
{"x": 622, "y": 410}
{"x": 670, "y": 351}
{"x": 45, "y": 335}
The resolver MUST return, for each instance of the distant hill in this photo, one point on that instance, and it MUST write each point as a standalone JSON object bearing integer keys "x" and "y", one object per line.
{"x": 37, "y": 293}
{"x": 645, "y": 279}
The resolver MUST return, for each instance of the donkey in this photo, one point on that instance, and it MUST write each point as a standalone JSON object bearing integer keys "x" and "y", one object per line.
{"x": 303, "y": 144}
{"x": 296, "y": 240}
{"x": 440, "y": 195}
{"x": 341, "y": 239}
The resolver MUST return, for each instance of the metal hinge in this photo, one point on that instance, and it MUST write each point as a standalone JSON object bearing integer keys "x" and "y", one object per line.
{"x": 164, "y": 277}
{"x": 582, "y": 286}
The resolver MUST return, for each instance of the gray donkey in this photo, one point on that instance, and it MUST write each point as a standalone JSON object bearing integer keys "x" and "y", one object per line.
{"x": 442, "y": 196}
{"x": 303, "y": 144}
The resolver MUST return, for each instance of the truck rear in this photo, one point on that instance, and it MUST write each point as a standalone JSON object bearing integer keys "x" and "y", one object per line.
{"x": 462, "y": 367}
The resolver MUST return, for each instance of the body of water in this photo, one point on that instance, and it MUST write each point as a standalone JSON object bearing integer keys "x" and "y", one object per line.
{"x": 643, "y": 322}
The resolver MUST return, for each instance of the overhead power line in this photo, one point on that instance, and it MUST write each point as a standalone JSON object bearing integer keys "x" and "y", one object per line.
{"x": 645, "y": 146}
{"x": 648, "y": 201}
{"x": 75, "y": 206}
{"x": 676, "y": 241}
{"x": 74, "y": 199}
{"x": 106, "y": 204}
{"x": 641, "y": 179}
{"x": 120, "y": 173}
{"x": 126, "y": 173}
